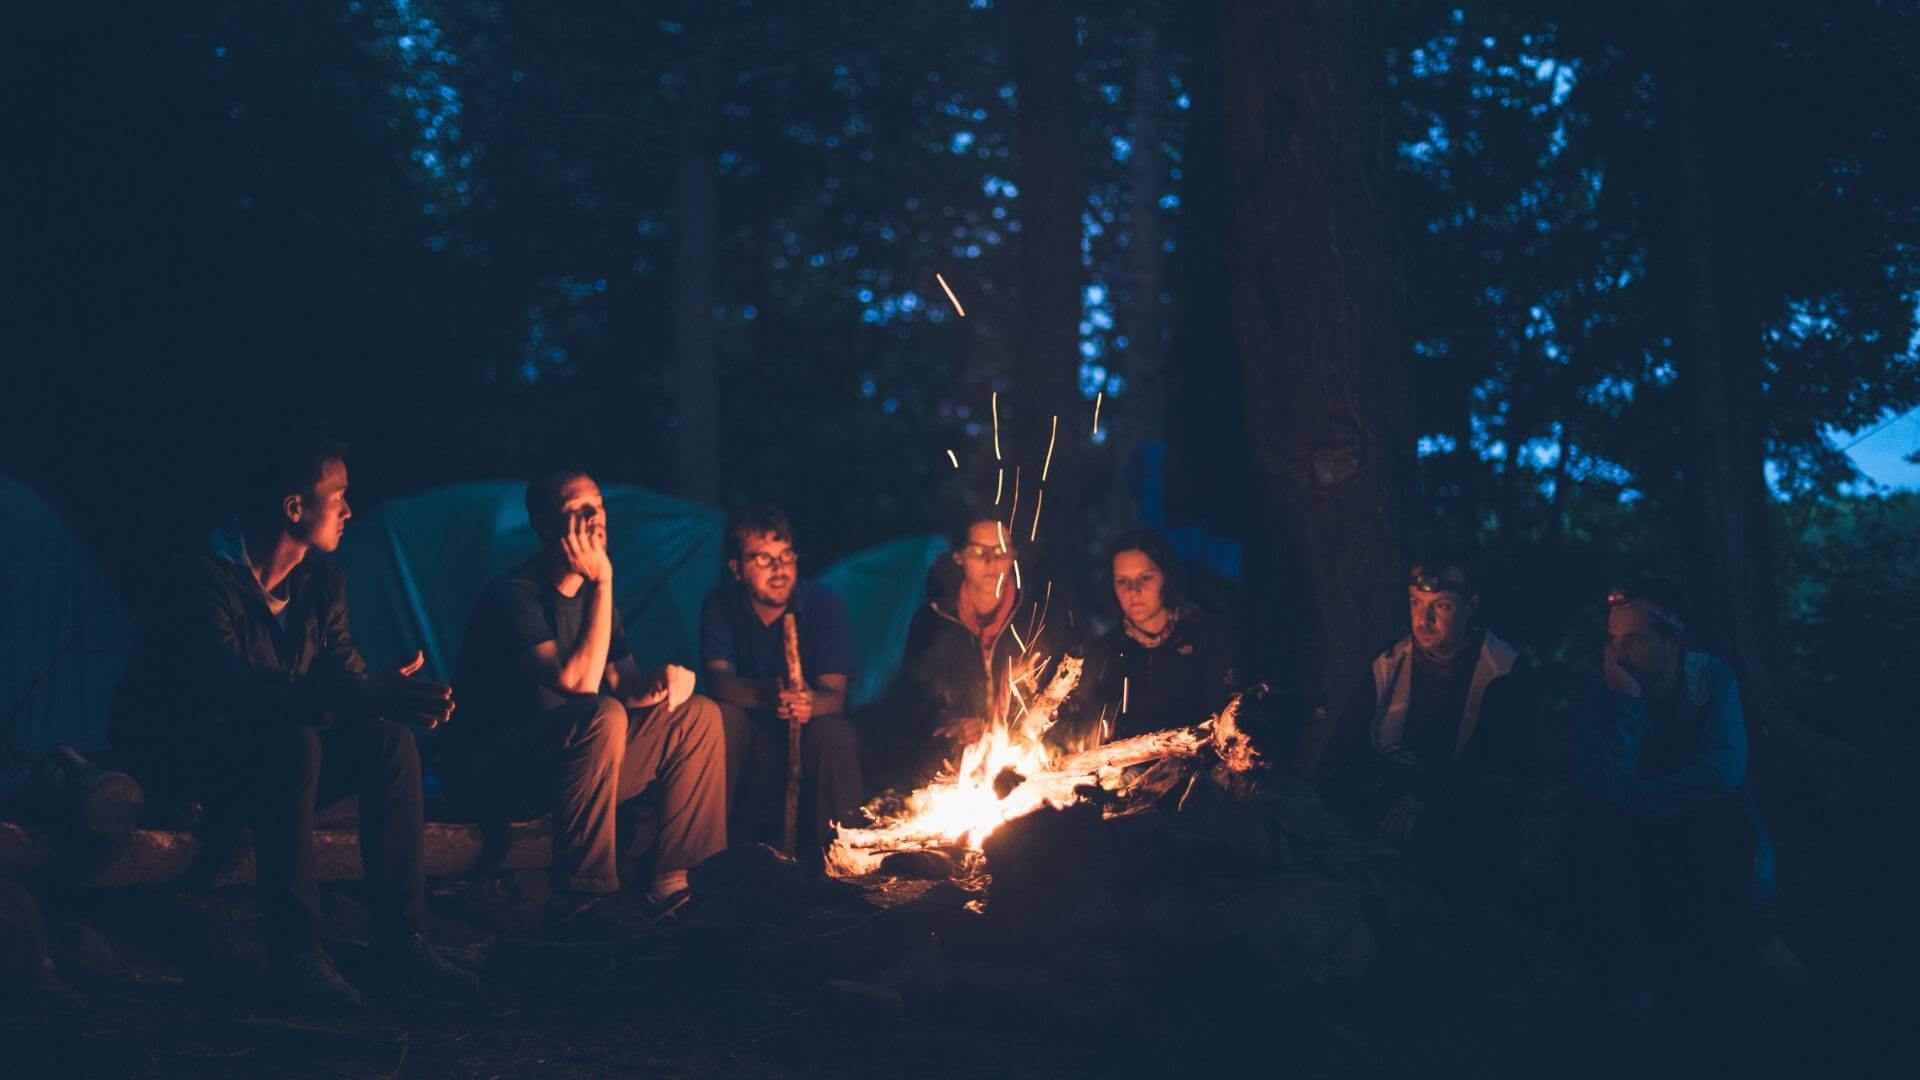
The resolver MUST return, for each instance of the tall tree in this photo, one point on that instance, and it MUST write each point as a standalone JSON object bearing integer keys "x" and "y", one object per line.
{"x": 1047, "y": 349}
{"x": 1719, "y": 336}
{"x": 1318, "y": 314}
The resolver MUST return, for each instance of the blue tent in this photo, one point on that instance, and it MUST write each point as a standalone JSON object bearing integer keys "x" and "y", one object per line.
{"x": 416, "y": 564}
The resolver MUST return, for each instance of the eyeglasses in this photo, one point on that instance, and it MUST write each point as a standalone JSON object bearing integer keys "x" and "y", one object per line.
{"x": 988, "y": 553}
{"x": 761, "y": 560}
{"x": 1626, "y": 598}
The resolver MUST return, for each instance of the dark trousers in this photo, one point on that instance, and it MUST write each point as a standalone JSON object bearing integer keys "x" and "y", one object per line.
{"x": 1649, "y": 893}
{"x": 1471, "y": 837}
{"x": 830, "y": 782}
{"x": 272, "y": 776}
{"x": 587, "y": 757}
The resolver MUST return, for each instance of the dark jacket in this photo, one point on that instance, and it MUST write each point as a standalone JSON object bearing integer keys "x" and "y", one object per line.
{"x": 209, "y": 650}
{"x": 946, "y": 675}
{"x": 1367, "y": 777}
{"x": 1180, "y": 682}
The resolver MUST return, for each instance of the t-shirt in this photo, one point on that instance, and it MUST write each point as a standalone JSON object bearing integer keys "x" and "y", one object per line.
{"x": 731, "y": 630}
{"x": 1438, "y": 700}
{"x": 518, "y": 610}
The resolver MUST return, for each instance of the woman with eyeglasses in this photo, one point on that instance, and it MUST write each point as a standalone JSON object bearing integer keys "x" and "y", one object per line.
{"x": 981, "y": 643}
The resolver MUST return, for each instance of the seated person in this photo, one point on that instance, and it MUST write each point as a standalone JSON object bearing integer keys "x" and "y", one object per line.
{"x": 1670, "y": 860}
{"x": 743, "y": 653}
{"x": 244, "y": 692}
{"x": 1167, "y": 664}
{"x": 1430, "y": 748}
{"x": 978, "y": 633}
{"x": 557, "y": 715}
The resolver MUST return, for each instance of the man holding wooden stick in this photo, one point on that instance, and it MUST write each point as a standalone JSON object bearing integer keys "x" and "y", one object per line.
{"x": 779, "y": 697}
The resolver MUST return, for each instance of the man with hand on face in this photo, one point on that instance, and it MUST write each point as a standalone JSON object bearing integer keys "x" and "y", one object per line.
{"x": 1671, "y": 860}
{"x": 743, "y": 652}
{"x": 556, "y": 714}
{"x": 1432, "y": 746}
{"x": 245, "y": 692}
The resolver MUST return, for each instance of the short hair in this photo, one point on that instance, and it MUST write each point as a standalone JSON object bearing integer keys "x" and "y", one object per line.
{"x": 294, "y": 463}
{"x": 1150, "y": 543}
{"x": 1666, "y": 594}
{"x": 760, "y": 519}
{"x": 543, "y": 493}
{"x": 1439, "y": 558}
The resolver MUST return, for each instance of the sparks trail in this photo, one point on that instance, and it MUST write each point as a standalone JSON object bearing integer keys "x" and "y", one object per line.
{"x": 996, "y": 425}
{"x": 953, "y": 458}
{"x": 949, "y": 291}
{"x": 1096, "y": 411}
{"x": 1051, "y": 436}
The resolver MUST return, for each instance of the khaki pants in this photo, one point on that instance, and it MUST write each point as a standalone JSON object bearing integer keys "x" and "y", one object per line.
{"x": 585, "y": 758}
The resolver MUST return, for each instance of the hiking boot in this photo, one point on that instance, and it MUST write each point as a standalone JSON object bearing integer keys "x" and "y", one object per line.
{"x": 581, "y": 917}
{"x": 416, "y": 962}
{"x": 311, "y": 979}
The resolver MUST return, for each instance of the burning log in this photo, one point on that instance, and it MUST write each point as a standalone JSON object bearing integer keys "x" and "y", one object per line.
{"x": 994, "y": 785}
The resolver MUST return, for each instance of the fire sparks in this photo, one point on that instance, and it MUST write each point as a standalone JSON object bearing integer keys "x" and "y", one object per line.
{"x": 951, "y": 456}
{"x": 1038, "y": 502}
{"x": 1123, "y": 695}
{"x": 1051, "y": 436}
{"x": 1096, "y": 412}
{"x": 999, "y": 482}
{"x": 949, "y": 291}
{"x": 996, "y": 425}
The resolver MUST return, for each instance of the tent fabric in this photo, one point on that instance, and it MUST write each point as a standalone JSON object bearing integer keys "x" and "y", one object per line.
{"x": 882, "y": 586}
{"x": 64, "y": 634}
{"x": 415, "y": 565}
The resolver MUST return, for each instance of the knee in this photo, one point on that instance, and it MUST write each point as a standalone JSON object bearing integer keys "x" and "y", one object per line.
{"x": 601, "y": 727}
{"x": 399, "y": 749}
{"x": 703, "y": 719}
{"x": 833, "y": 736}
{"x": 734, "y": 721}
{"x": 296, "y": 749}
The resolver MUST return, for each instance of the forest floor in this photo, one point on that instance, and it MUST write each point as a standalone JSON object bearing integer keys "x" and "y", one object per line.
{"x": 164, "y": 984}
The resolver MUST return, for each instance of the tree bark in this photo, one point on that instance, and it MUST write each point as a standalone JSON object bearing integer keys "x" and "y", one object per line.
{"x": 1318, "y": 314}
{"x": 696, "y": 439}
{"x": 1718, "y": 358}
{"x": 1142, "y": 318}
{"x": 1046, "y": 379}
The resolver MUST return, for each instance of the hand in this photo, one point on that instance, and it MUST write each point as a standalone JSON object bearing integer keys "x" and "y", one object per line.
{"x": 795, "y": 704}
{"x": 397, "y": 695}
{"x": 585, "y": 546}
{"x": 1619, "y": 680}
{"x": 1396, "y": 827}
{"x": 963, "y": 732}
{"x": 678, "y": 682}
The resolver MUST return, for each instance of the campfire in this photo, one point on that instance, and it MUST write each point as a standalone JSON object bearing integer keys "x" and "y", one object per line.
{"x": 1010, "y": 771}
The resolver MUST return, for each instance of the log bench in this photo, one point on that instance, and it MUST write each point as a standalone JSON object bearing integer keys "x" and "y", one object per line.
{"x": 174, "y": 856}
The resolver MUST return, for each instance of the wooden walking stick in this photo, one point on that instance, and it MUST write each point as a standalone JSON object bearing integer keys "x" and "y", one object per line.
{"x": 795, "y": 681}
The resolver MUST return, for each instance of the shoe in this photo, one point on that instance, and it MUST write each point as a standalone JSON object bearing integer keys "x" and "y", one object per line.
{"x": 311, "y": 979}
{"x": 419, "y": 964}
{"x": 662, "y": 908}
{"x": 581, "y": 917}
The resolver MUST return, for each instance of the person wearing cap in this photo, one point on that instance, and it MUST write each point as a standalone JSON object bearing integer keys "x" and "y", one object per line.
{"x": 1670, "y": 859}
{"x": 1429, "y": 749}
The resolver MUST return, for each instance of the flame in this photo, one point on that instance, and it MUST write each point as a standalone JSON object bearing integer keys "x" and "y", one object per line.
{"x": 964, "y": 804}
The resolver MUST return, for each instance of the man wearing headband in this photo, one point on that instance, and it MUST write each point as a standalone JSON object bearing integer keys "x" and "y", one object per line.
{"x": 1670, "y": 858}
{"x": 1430, "y": 748}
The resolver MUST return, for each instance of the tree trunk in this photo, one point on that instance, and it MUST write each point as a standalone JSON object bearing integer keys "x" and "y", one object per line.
{"x": 696, "y": 393}
{"x": 1047, "y": 349}
{"x": 1142, "y": 318}
{"x": 1719, "y": 343}
{"x": 1318, "y": 309}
